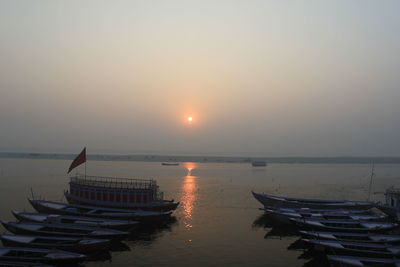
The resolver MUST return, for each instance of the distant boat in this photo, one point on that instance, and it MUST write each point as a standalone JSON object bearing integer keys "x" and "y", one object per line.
{"x": 258, "y": 163}
{"x": 290, "y": 202}
{"x": 169, "y": 164}
{"x": 74, "y": 244}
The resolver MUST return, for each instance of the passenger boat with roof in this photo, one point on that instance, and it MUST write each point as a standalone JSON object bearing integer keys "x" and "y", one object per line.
{"x": 121, "y": 193}
{"x": 289, "y": 202}
{"x": 125, "y": 225}
{"x": 354, "y": 248}
{"x": 74, "y": 244}
{"x": 337, "y": 260}
{"x": 45, "y": 206}
{"x": 284, "y": 217}
{"x": 62, "y": 229}
{"x": 51, "y": 256}
{"x": 354, "y": 237}
{"x": 343, "y": 225}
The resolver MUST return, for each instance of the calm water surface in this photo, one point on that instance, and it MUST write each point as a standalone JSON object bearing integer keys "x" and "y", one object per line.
{"x": 218, "y": 220}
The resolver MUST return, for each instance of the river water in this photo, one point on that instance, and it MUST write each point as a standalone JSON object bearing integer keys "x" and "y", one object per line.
{"x": 218, "y": 222}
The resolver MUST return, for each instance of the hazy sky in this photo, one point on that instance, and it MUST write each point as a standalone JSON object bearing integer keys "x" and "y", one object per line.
{"x": 274, "y": 78}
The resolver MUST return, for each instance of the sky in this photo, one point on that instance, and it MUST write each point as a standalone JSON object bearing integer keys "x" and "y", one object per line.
{"x": 259, "y": 78}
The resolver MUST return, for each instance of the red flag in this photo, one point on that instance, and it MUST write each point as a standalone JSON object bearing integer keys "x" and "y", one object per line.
{"x": 81, "y": 158}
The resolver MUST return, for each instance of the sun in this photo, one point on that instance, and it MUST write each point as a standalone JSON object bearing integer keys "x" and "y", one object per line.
{"x": 190, "y": 119}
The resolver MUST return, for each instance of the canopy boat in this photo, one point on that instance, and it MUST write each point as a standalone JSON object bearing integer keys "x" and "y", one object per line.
{"x": 122, "y": 193}
{"x": 336, "y": 260}
{"x": 343, "y": 225}
{"x": 75, "y": 244}
{"x": 61, "y": 229}
{"x": 40, "y": 255}
{"x": 355, "y": 237}
{"x": 288, "y": 202}
{"x": 355, "y": 248}
{"x": 99, "y": 212}
{"x": 284, "y": 217}
{"x": 78, "y": 220}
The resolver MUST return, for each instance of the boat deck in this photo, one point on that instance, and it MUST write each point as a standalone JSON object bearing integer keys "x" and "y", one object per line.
{"x": 113, "y": 182}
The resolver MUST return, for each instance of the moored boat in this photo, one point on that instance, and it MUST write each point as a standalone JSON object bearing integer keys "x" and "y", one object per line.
{"x": 343, "y": 225}
{"x": 63, "y": 229}
{"x": 284, "y": 217}
{"x": 170, "y": 163}
{"x": 75, "y": 244}
{"x": 288, "y": 202}
{"x": 354, "y": 237}
{"x": 343, "y": 261}
{"x": 51, "y": 256}
{"x": 22, "y": 264}
{"x": 121, "y": 193}
{"x": 78, "y": 220}
{"x": 323, "y": 211}
{"x": 354, "y": 248}
{"x": 99, "y": 212}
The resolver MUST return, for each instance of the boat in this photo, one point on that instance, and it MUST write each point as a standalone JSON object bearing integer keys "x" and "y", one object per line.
{"x": 392, "y": 203}
{"x": 343, "y": 225}
{"x": 336, "y": 260}
{"x": 284, "y": 217}
{"x": 322, "y": 211}
{"x": 288, "y": 202}
{"x": 61, "y": 229}
{"x": 44, "y": 206}
{"x": 169, "y": 164}
{"x": 121, "y": 193}
{"x": 258, "y": 163}
{"x": 74, "y": 244}
{"x": 355, "y": 237}
{"x": 127, "y": 225}
{"x": 354, "y": 248}
{"x": 51, "y": 256}
{"x": 23, "y": 264}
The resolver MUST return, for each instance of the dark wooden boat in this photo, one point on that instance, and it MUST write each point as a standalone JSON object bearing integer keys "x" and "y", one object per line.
{"x": 74, "y": 244}
{"x": 78, "y": 220}
{"x": 61, "y": 229}
{"x": 120, "y": 193}
{"x": 322, "y": 211}
{"x": 169, "y": 164}
{"x": 343, "y": 225}
{"x": 343, "y": 261}
{"x": 99, "y": 212}
{"x": 284, "y": 217}
{"x": 288, "y": 202}
{"x": 51, "y": 256}
{"x": 354, "y": 237}
{"x": 354, "y": 248}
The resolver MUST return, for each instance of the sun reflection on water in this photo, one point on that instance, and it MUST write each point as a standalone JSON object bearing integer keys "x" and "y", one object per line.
{"x": 189, "y": 194}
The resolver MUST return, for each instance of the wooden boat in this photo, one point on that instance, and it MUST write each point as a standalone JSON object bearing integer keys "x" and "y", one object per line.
{"x": 99, "y": 212}
{"x": 343, "y": 225}
{"x": 169, "y": 164}
{"x": 336, "y": 260}
{"x": 354, "y": 237}
{"x": 51, "y": 256}
{"x": 258, "y": 164}
{"x": 120, "y": 193}
{"x": 323, "y": 211}
{"x": 284, "y": 217}
{"x": 61, "y": 229}
{"x": 354, "y": 248}
{"x": 23, "y": 264}
{"x": 288, "y": 202}
{"x": 75, "y": 244}
{"x": 78, "y": 220}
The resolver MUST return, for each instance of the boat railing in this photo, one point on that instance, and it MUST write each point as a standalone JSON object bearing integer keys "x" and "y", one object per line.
{"x": 113, "y": 182}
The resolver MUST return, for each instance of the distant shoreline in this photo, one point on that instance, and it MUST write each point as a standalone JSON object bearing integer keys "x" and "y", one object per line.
{"x": 212, "y": 159}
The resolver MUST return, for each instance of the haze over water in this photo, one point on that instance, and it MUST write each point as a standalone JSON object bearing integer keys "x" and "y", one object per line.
{"x": 218, "y": 220}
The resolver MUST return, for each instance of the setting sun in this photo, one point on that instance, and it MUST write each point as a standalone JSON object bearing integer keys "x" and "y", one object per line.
{"x": 189, "y": 119}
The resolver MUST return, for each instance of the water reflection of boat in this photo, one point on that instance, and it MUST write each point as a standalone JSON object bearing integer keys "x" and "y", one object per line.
{"x": 289, "y": 202}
